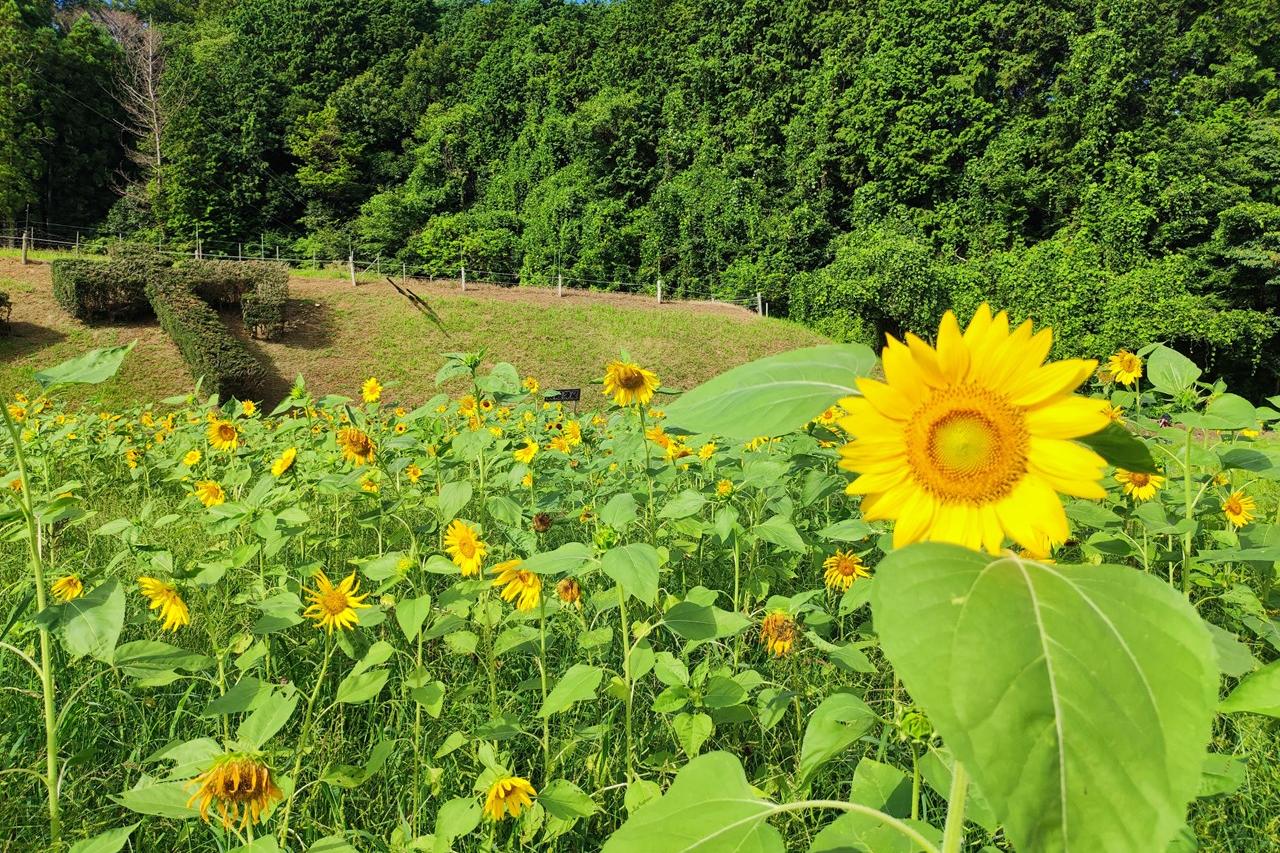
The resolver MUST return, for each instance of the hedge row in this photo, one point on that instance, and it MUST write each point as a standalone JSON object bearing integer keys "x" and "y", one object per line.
{"x": 91, "y": 290}
{"x": 212, "y": 353}
{"x": 261, "y": 289}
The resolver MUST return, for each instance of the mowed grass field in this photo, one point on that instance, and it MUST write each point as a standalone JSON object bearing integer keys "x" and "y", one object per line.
{"x": 338, "y": 335}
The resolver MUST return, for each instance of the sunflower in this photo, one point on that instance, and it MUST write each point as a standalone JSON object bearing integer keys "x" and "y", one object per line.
{"x": 724, "y": 488}
{"x": 1125, "y": 367}
{"x": 658, "y": 436}
{"x": 369, "y": 483}
{"x": 524, "y": 588}
{"x": 371, "y": 390}
{"x": 248, "y": 408}
{"x": 509, "y": 794}
{"x": 1115, "y": 414}
{"x": 1238, "y": 508}
{"x": 573, "y": 433}
{"x": 68, "y": 588}
{"x": 969, "y": 442}
{"x": 164, "y": 597}
{"x": 525, "y": 454}
{"x": 1139, "y": 486}
{"x": 223, "y": 435}
{"x": 413, "y": 473}
{"x": 462, "y": 543}
{"x": 355, "y": 445}
{"x": 334, "y": 606}
{"x": 210, "y": 493}
{"x": 240, "y": 785}
{"x": 629, "y": 383}
{"x": 778, "y": 633}
{"x": 706, "y": 451}
{"x": 560, "y": 444}
{"x": 400, "y": 428}
{"x": 842, "y": 569}
{"x": 569, "y": 592}
{"x": 531, "y": 385}
{"x": 285, "y": 462}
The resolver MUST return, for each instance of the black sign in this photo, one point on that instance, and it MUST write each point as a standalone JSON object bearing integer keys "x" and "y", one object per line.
{"x": 564, "y": 395}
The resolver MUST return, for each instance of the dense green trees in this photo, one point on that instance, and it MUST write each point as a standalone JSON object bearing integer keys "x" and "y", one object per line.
{"x": 1106, "y": 164}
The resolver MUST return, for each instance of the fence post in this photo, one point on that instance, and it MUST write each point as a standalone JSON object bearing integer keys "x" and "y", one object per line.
{"x": 239, "y": 251}
{"x": 759, "y": 304}
{"x": 262, "y": 246}
{"x": 77, "y": 242}
{"x": 464, "y": 278}
{"x": 404, "y": 273}
{"x": 559, "y": 284}
{"x": 659, "y": 291}
{"x": 351, "y": 267}
{"x": 277, "y": 253}
{"x": 25, "y": 238}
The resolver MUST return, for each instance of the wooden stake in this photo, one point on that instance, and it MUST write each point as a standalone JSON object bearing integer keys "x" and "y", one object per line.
{"x": 351, "y": 267}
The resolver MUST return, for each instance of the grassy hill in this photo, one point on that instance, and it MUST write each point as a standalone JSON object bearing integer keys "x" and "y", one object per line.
{"x": 338, "y": 335}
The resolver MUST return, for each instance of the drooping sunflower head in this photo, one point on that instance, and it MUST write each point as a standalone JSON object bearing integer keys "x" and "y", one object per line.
{"x": 541, "y": 522}
{"x": 371, "y": 390}
{"x": 1125, "y": 367}
{"x": 525, "y": 454}
{"x": 1138, "y": 485}
{"x": 569, "y": 591}
{"x": 463, "y": 545}
{"x": 971, "y": 442}
{"x": 508, "y": 795}
{"x": 223, "y": 435}
{"x": 841, "y": 569}
{"x": 240, "y": 786}
{"x": 778, "y": 633}
{"x": 1239, "y": 509}
{"x": 284, "y": 462}
{"x": 68, "y": 588}
{"x": 165, "y": 598}
{"x": 518, "y": 585}
{"x": 210, "y": 493}
{"x": 334, "y": 606}
{"x": 356, "y": 446}
{"x": 628, "y": 383}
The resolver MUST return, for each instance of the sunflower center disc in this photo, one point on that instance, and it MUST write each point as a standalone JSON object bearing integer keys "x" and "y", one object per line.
{"x": 967, "y": 443}
{"x": 334, "y": 601}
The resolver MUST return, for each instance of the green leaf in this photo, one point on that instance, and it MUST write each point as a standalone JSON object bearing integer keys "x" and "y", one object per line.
{"x": 243, "y": 696}
{"x": 267, "y": 719}
{"x": 1079, "y": 698}
{"x": 1170, "y": 371}
{"x": 578, "y": 684}
{"x": 95, "y": 366}
{"x": 635, "y": 569}
{"x": 360, "y": 687}
{"x": 692, "y": 730}
{"x": 431, "y": 697}
{"x": 683, "y": 505}
{"x": 848, "y": 530}
{"x": 411, "y": 613}
{"x": 1120, "y": 448}
{"x": 619, "y": 511}
{"x": 703, "y": 622}
{"x": 780, "y": 532}
{"x": 773, "y": 395}
{"x": 1229, "y": 411}
{"x": 455, "y": 819}
{"x": 882, "y": 787}
{"x": 146, "y": 657}
{"x": 91, "y": 625}
{"x": 346, "y": 776}
{"x": 453, "y": 497}
{"x": 567, "y": 558}
{"x": 1257, "y": 694}
{"x": 710, "y": 807}
{"x": 164, "y": 799}
{"x": 865, "y": 834}
{"x": 107, "y": 842}
{"x": 840, "y": 720}
{"x": 565, "y": 800}
{"x": 1222, "y": 774}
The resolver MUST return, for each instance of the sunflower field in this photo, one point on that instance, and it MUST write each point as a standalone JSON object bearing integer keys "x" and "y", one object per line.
{"x": 957, "y": 597}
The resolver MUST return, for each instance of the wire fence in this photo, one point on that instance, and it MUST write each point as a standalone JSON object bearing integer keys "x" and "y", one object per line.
{"x": 88, "y": 241}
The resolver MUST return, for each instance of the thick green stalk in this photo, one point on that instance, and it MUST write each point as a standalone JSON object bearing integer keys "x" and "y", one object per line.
{"x": 953, "y": 831}
{"x": 1189, "y": 505}
{"x": 626, "y": 673}
{"x": 302, "y": 741}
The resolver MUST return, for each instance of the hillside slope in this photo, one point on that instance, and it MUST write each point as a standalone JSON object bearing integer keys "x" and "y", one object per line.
{"x": 338, "y": 335}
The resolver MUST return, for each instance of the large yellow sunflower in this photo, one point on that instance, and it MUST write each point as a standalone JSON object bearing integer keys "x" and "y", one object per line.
{"x": 240, "y": 786}
{"x": 509, "y": 794}
{"x": 1139, "y": 486}
{"x": 356, "y": 446}
{"x": 68, "y": 588}
{"x": 164, "y": 597}
{"x": 525, "y": 588}
{"x": 334, "y": 606}
{"x": 371, "y": 390}
{"x": 629, "y": 383}
{"x": 1238, "y": 508}
{"x": 970, "y": 442}
{"x": 1125, "y": 367}
{"x": 525, "y": 454}
{"x": 223, "y": 435}
{"x": 462, "y": 543}
{"x": 210, "y": 493}
{"x": 284, "y": 462}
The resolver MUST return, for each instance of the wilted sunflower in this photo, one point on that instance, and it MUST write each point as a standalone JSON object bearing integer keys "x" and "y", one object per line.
{"x": 509, "y": 794}
{"x": 371, "y": 390}
{"x": 627, "y": 383}
{"x": 355, "y": 445}
{"x": 970, "y": 442}
{"x": 1238, "y": 508}
{"x": 1115, "y": 414}
{"x": 210, "y": 493}
{"x": 524, "y": 588}
{"x": 1139, "y": 486}
{"x": 541, "y": 522}
{"x": 334, "y": 606}
{"x": 778, "y": 633}
{"x": 525, "y": 454}
{"x": 240, "y": 786}
{"x": 1125, "y": 367}
{"x": 223, "y": 435}
{"x": 164, "y": 597}
{"x": 464, "y": 547}
{"x": 842, "y": 569}
{"x": 285, "y": 462}
{"x": 68, "y": 588}
{"x": 569, "y": 592}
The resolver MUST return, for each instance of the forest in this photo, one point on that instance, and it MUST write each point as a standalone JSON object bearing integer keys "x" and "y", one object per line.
{"x": 1110, "y": 167}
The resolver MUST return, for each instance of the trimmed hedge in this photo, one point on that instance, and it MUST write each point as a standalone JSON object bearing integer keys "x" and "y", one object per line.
{"x": 260, "y": 288}
{"x": 6, "y": 308}
{"x": 89, "y": 290}
{"x": 212, "y": 353}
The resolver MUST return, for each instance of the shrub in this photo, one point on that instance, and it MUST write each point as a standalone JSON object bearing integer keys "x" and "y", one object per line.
{"x": 6, "y": 308}
{"x": 91, "y": 289}
{"x": 212, "y": 353}
{"x": 260, "y": 288}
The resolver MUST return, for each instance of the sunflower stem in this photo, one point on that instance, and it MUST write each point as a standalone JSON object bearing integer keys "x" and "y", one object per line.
{"x": 542, "y": 672}
{"x": 953, "y": 831}
{"x": 1189, "y": 513}
{"x": 46, "y": 653}
{"x": 302, "y": 740}
{"x": 626, "y": 673}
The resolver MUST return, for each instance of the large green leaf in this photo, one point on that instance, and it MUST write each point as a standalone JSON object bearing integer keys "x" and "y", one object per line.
{"x": 1120, "y": 448}
{"x": 164, "y": 799}
{"x": 773, "y": 395}
{"x": 107, "y": 842}
{"x": 1079, "y": 698}
{"x": 635, "y": 569}
{"x": 1171, "y": 371}
{"x": 91, "y": 625}
{"x": 1257, "y": 694}
{"x": 97, "y": 365}
{"x": 578, "y": 684}
{"x": 567, "y": 558}
{"x": 710, "y": 807}
{"x": 840, "y": 720}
